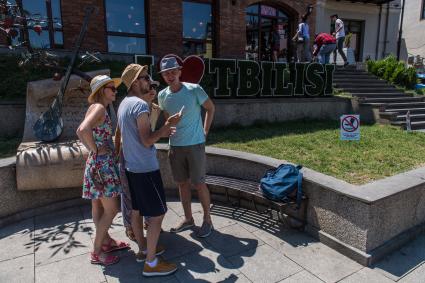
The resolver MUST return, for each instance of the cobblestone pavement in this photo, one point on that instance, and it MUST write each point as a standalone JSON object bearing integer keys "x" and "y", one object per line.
{"x": 245, "y": 247}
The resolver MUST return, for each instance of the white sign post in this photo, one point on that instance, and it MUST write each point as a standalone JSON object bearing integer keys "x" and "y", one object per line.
{"x": 350, "y": 127}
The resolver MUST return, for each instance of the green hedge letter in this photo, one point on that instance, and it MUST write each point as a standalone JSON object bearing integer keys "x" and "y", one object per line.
{"x": 299, "y": 78}
{"x": 329, "y": 70}
{"x": 249, "y": 84}
{"x": 283, "y": 86}
{"x": 222, "y": 68}
{"x": 267, "y": 88}
{"x": 314, "y": 74}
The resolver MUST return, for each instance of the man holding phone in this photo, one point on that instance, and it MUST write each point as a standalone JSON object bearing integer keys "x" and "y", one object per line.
{"x": 187, "y": 145}
{"x": 142, "y": 166}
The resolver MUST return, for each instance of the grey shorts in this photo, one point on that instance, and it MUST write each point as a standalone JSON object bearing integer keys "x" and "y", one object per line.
{"x": 188, "y": 162}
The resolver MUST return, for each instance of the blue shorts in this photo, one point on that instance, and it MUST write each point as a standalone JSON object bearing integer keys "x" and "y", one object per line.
{"x": 147, "y": 193}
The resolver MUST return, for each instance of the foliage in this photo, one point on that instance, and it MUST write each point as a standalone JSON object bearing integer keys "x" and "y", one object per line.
{"x": 8, "y": 146}
{"x": 393, "y": 71}
{"x": 347, "y": 40}
{"x": 14, "y": 79}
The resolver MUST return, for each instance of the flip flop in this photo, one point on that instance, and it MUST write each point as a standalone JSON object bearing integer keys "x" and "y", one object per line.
{"x": 119, "y": 245}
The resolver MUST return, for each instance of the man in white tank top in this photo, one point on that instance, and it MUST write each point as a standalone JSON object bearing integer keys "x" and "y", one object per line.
{"x": 340, "y": 37}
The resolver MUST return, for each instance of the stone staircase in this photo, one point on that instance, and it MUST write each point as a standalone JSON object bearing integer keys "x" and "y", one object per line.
{"x": 390, "y": 103}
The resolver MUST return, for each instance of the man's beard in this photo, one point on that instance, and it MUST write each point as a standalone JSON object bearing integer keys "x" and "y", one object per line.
{"x": 144, "y": 90}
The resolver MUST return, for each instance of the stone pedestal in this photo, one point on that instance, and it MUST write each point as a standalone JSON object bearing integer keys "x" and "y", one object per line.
{"x": 60, "y": 164}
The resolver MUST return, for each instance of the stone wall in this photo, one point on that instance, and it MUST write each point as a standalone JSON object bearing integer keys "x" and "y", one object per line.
{"x": 14, "y": 203}
{"x": 72, "y": 20}
{"x": 165, "y": 27}
{"x": 247, "y": 111}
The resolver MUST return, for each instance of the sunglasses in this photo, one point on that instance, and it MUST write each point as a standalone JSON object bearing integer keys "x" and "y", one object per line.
{"x": 114, "y": 89}
{"x": 146, "y": 78}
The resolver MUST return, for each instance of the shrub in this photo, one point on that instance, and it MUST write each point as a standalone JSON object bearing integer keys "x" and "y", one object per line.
{"x": 14, "y": 78}
{"x": 393, "y": 71}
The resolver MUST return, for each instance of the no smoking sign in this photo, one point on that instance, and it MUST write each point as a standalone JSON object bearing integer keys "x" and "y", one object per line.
{"x": 350, "y": 127}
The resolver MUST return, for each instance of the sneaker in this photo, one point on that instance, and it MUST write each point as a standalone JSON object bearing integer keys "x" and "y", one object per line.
{"x": 183, "y": 226}
{"x": 141, "y": 257}
{"x": 163, "y": 268}
{"x": 205, "y": 230}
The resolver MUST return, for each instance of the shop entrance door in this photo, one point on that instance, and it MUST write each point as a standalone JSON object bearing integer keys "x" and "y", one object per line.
{"x": 267, "y": 30}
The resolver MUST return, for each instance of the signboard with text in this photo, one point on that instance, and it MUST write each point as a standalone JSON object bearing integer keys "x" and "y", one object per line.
{"x": 350, "y": 127}
{"x": 232, "y": 78}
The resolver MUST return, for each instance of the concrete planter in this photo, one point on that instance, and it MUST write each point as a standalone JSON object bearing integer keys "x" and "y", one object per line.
{"x": 362, "y": 222}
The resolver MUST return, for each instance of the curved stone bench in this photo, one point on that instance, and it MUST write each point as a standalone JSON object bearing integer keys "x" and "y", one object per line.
{"x": 363, "y": 222}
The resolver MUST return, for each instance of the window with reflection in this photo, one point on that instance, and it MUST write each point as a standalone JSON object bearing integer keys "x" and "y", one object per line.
{"x": 45, "y": 23}
{"x": 267, "y": 30}
{"x": 197, "y": 29}
{"x": 126, "y": 26}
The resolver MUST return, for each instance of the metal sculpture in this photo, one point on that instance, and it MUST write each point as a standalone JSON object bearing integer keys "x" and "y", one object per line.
{"x": 49, "y": 126}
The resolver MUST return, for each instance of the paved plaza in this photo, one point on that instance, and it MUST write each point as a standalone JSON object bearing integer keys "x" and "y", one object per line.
{"x": 245, "y": 247}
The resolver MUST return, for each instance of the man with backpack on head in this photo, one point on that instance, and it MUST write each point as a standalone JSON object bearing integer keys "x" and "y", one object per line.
{"x": 187, "y": 145}
{"x": 340, "y": 38}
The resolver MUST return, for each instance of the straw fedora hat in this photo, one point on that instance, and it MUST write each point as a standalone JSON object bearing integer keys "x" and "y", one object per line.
{"x": 131, "y": 73}
{"x": 98, "y": 82}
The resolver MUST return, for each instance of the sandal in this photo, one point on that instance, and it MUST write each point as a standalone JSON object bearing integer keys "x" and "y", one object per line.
{"x": 114, "y": 245}
{"x": 106, "y": 260}
{"x": 130, "y": 234}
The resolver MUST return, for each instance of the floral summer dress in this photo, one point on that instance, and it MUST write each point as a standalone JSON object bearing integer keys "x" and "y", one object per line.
{"x": 101, "y": 175}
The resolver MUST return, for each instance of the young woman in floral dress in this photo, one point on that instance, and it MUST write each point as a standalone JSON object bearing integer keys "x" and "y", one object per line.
{"x": 101, "y": 177}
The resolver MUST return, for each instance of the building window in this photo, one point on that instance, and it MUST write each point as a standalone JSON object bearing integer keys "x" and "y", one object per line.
{"x": 261, "y": 22}
{"x": 197, "y": 29}
{"x": 47, "y": 16}
{"x": 126, "y": 26}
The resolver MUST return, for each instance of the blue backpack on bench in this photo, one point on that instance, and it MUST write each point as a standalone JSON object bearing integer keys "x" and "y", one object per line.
{"x": 283, "y": 182}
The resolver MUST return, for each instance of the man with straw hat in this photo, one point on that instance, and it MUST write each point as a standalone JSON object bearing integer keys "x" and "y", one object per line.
{"x": 142, "y": 167}
{"x": 187, "y": 146}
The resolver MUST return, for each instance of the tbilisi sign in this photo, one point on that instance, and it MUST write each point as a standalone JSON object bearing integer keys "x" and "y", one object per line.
{"x": 234, "y": 78}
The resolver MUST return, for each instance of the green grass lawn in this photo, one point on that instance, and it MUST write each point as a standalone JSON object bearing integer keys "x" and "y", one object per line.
{"x": 382, "y": 151}
{"x": 8, "y": 146}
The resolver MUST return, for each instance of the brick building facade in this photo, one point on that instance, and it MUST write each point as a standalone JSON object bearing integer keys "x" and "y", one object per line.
{"x": 164, "y": 20}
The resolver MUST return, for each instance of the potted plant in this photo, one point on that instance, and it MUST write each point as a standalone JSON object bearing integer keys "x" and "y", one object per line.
{"x": 348, "y": 50}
